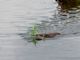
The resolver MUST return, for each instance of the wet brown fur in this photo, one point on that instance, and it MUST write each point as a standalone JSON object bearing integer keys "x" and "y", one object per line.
{"x": 43, "y": 36}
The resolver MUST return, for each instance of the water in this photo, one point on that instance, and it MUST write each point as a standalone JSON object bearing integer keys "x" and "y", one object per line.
{"x": 17, "y": 16}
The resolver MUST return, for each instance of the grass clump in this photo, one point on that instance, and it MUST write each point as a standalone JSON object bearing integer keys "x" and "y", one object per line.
{"x": 34, "y": 31}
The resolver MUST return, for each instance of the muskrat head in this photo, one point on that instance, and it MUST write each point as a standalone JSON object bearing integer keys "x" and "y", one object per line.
{"x": 48, "y": 35}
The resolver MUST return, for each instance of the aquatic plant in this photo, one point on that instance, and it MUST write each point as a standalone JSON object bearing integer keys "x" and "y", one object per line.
{"x": 34, "y": 31}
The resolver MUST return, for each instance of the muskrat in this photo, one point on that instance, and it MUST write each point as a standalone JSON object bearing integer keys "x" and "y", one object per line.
{"x": 48, "y": 35}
